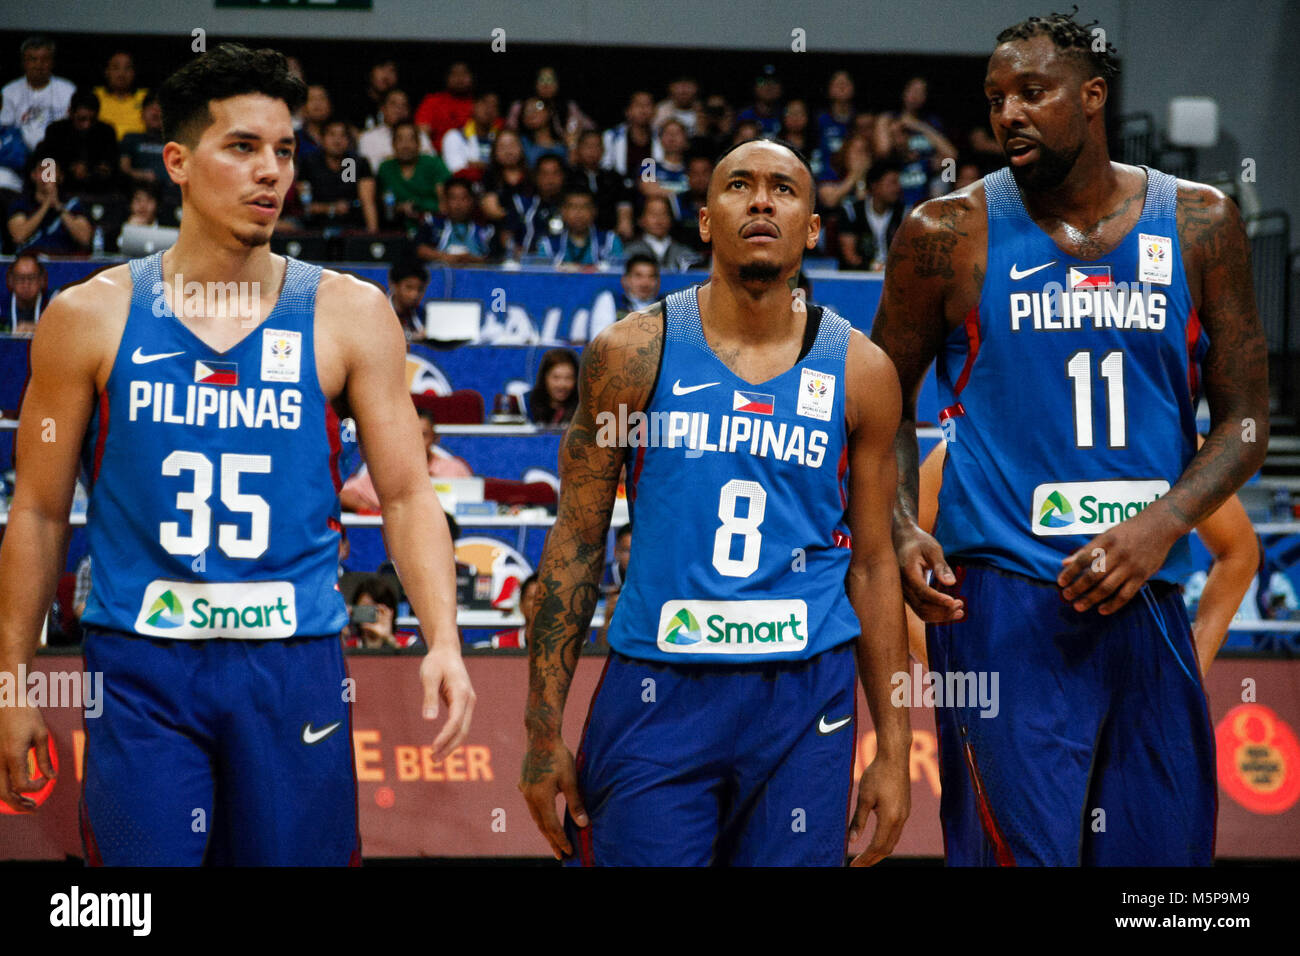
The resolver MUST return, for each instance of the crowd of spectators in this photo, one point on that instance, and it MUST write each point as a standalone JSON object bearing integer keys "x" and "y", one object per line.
{"x": 467, "y": 179}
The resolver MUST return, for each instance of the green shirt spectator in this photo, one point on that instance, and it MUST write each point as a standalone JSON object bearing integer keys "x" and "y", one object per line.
{"x": 412, "y": 179}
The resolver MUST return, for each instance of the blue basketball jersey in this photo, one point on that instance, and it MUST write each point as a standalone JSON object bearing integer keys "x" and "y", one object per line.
{"x": 737, "y": 494}
{"x": 1070, "y": 392}
{"x": 214, "y": 492}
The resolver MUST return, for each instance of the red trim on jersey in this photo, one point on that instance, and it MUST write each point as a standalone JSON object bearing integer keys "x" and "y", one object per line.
{"x": 585, "y": 851}
{"x": 972, "y": 323}
{"x": 839, "y": 475}
{"x": 1193, "y": 337}
{"x": 1001, "y": 849}
{"x": 332, "y": 435}
{"x": 635, "y": 477}
{"x": 102, "y": 437}
{"x": 952, "y": 411}
{"x": 87, "y": 833}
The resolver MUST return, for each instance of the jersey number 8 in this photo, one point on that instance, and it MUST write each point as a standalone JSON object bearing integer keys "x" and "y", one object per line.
{"x": 732, "y": 524}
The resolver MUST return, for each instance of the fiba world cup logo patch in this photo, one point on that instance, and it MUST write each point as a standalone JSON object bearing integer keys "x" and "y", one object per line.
{"x": 816, "y": 394}
{"x": 1259, "y": 759}
{"x": 281, "y": 355}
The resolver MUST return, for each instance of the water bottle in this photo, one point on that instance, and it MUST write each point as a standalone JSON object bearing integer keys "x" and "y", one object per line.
{"x": 97, "y": 244}
{"x": 390, "y": 207}
{"x": 1282, "y": 504}
{"x": 304, "y": 192}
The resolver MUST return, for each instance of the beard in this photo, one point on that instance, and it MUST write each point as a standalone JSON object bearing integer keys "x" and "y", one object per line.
{"x": 1048, "y": 172}
{"x": 760, "y": 272}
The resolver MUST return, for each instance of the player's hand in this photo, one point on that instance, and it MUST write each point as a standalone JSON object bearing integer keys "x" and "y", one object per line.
{"x": 548, "y": 770}
{"x": 1111, "y": 568}
{"x": 918, "y": 553}
{"x": 21, "y": 729}
{"x": 885, "y": 790}
{"x": 443, "y": 674}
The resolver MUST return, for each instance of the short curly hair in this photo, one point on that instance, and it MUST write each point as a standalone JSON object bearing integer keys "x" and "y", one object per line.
{"x": 1076, "y": 40}
{"x": 229, "y": 70}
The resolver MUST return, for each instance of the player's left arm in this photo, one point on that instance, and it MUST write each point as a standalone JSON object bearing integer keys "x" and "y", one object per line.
{"x": 1110, "y": 569}
{"x": 415, "y": 528}
{"x": 874, "y": 407}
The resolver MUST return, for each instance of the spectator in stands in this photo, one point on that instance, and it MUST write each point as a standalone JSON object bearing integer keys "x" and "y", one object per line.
{"x": 28, "y": 286}
{"x": 13, "y": 161}
{"x": 746, "y": 130}
{"x": 669, "y": 173}
{"x": 376, "y": 143}
{"x": 640, "y": 284}
{"x": 408, "y": 280}
{"x": 46, "y": 219}
{"x": 565, "y": 117}
{"x": 867, "y": 224}
{"x": 581, "y": 243}
{"x": 331, "y": 199}
{"x": 508, "y": 192}
{"x": 449, "y": 108}
{"x": 120, "y": 101}
{"x": 613, "y": 198}
{"x": 363, "y": 109}
{"x": 143, "y": 210}
{"x": 656, "y": 238}
{"x": 846, "y": 173}
{"x": 835, "y": 123}
{"x": 554, "y": 397}
{"x": 715, "y": 126}
{"x": 629, "y": 144}
{"x": 915, "y": 139}
{"x": 543, "y": 217}
{"x": 455, "y": 238}
{"x": 316, "y": 111}
{"x": 140, "y": 157}
{"x": 38, "y": 97}
{"x": 682, "y": 104}
{"x": 539, "y": 138}
{"x": 795, "y": 131}
{"x": 377, "y": 592}
{"x": 518, "y": 636}
{"x": 766, "y": 111}
{"x": 358, "y": 492}
{"x": 412, "y": 182}
{"x": 85, "y": 148}
{"x": 622, "y": 553}
{"x": 687, "y": 205}
{"x": 467, "y": 149}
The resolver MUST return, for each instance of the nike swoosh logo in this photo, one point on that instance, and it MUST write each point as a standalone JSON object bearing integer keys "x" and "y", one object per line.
{"x": 310, "y": 736}
{"x": 139, "y": 358}
{"x": 680, "y": 389}
{"x": 1017, "y": 274}
{"x": 825, "y": 728}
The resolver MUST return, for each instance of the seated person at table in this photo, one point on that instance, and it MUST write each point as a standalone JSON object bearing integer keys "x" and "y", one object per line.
{"x": 377, "y": 592}
{"x": 554, "y": 397}
{"x": 640, "y": 284}
{"x": 456, "y": 239}
{"x": 407, "y": 282}
{"x": 518, "y": 636}
{"x": 358, "y": 492}
{"x": 27, "y": 285}
{"x": 47, "y": 218}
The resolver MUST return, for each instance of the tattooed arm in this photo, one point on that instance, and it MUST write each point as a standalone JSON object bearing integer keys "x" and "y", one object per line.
{"x": 618, "y": 368}
{"x": 932, "y": 279}
{"x": 1216, "y": 257}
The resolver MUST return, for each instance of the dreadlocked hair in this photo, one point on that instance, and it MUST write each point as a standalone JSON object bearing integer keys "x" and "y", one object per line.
{"x": 1078, "y": 40}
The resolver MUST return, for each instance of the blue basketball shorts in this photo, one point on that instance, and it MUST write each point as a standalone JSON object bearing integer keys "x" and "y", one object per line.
{"x": 746, "y": 765}
{"x": 219, "y": 752}
{"x": 1097, "y": 748}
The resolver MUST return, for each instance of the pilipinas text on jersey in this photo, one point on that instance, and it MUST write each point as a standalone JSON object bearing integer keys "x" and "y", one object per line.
{"x": 737, "y": 492}
{"x": 1068, "y": 396}
{"x": 214, "y": 492}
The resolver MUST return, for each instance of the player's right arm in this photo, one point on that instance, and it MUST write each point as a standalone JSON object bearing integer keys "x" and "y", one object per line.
{"x": 932, "y": 277}
{"x": 68, "y": 355}
{"x": 618, "y": 369}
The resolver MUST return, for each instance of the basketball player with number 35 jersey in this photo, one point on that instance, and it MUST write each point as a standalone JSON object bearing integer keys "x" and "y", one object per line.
{"x": 204, "y": 387}
{"x": 757, "y": 435}
{"x": 1077, "y": 309}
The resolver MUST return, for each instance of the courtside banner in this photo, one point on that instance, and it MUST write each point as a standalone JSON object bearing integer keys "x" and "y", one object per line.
{"x": 468, "y": 804}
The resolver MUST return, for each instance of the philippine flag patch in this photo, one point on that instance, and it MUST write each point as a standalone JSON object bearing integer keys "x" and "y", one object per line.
{"x": 216, "y": 373}
{"x": 1090, "y": 277}
{"x": 756, "y": 403}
